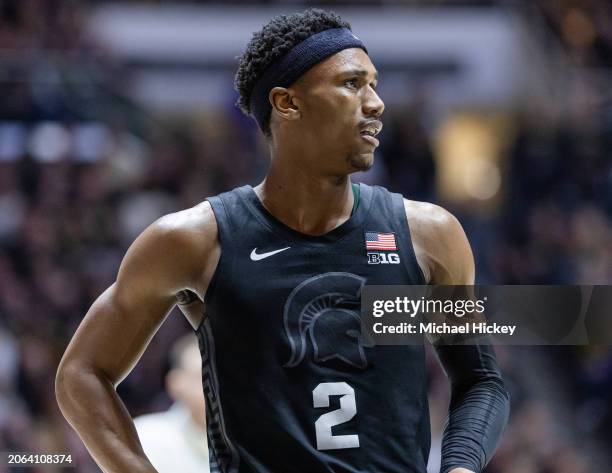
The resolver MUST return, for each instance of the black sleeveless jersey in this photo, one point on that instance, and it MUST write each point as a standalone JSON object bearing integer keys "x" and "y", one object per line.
{"x": 290, "y": 384}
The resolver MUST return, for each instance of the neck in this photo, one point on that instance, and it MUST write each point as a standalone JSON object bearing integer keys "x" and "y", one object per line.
{"x": 308, "y": 203}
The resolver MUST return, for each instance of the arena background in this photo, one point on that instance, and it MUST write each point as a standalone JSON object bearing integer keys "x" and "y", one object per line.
{"x": 114, "y": 113}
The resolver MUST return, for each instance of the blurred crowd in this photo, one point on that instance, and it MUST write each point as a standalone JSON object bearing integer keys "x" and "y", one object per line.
{"x": 79, "y": 179}
{"x": 584, "y": 28}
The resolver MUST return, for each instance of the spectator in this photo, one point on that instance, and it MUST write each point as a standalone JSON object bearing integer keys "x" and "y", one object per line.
{"x": 174, "y": 440}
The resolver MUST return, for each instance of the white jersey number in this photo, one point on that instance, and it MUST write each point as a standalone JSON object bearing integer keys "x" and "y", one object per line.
{"x": 324, "y": 424}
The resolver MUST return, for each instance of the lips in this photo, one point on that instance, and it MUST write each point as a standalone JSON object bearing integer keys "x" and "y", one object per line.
{"x": 369, "y": 130}
{"x": 370, "y": 139}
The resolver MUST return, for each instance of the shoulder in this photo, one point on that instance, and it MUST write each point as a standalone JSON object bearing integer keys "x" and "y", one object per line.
{"x": 194, "y": 221}
{"x": 440, "y": 243}
{"x": 187, "y": 234}
{"x": 172, "y": 251}
{"x": 189, "y": 237}
{"x": 431, "y": 221}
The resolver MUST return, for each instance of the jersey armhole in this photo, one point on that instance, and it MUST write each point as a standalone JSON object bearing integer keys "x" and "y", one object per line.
{"x": 411, "y": 263}
{"x": 224, "y": 233}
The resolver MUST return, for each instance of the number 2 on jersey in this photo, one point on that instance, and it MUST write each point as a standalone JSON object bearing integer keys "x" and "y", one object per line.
{"x": 324, "y": 424}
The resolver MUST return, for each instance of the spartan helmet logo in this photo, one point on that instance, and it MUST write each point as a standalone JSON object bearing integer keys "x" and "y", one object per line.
{"x": 325, "y": 309}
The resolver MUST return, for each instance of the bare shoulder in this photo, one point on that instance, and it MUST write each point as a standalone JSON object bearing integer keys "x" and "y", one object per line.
{"x": 177, "y": 251}
{"x": 195, "y": 226}
{"x": 440, "y": 244}
{"x": 428, "y": 220}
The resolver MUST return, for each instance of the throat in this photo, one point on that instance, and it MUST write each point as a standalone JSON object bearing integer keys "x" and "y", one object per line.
{"x": 309, "y": 213}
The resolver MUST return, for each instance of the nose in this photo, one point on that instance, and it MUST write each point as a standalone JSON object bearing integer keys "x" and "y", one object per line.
{"x": 373, "y": 106}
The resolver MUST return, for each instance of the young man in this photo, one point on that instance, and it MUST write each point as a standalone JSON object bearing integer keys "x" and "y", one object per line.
{"x": 278, "y": 269}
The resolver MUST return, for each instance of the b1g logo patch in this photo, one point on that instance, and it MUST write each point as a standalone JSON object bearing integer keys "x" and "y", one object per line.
{"x": 383, "y": 258}
{"x": 378, "y": 245}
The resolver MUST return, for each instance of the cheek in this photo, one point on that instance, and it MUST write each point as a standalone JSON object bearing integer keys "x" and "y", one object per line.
{"x": 331, "y": 113}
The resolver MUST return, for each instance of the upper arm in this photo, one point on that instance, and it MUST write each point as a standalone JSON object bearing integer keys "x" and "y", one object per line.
{"x": 167, "y": 257}
{"x": 440, "y": 244}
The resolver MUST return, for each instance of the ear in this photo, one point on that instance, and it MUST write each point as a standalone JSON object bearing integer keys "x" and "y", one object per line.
{"x": 284, "y": 103}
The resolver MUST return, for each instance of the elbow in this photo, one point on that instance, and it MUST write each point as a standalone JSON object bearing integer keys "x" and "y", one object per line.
{"x": 497, "y": 383}
{"x": 492, "y": 388}
{"x": 73, "y": 381}
{"x": 77, "y": 385}
{"x": 498, "y": 386}
{"x": 65, "y": 378}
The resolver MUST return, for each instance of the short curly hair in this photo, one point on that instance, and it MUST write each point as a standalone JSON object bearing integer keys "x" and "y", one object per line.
{"x": 273, "y": 41}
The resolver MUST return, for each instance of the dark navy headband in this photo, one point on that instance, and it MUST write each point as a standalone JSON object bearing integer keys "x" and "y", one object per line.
{"x": 286, "y": 70}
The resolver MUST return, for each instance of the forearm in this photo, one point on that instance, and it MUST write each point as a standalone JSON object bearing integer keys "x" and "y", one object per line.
{"x": 474, "y": 428}
{"x": 479, "y": 407}
{"x": 91, "y": 405}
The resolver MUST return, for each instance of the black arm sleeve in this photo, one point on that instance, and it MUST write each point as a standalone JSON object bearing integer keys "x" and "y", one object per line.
{"x": 479, "y": 406}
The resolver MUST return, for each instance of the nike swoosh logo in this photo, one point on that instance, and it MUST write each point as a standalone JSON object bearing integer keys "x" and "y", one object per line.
{"x": 259, "y": 256}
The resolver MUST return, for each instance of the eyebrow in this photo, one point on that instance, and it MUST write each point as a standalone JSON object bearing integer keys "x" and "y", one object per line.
{"x": 359, "y": 72}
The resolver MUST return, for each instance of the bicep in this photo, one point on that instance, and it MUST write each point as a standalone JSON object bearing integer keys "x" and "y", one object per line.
{"x": 458, "y": 260}
{"x": 113, "y": 334}
{"x": 121, "y": 322}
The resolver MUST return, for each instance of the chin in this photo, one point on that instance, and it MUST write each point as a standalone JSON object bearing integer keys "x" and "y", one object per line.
{"x": 361, "y": 162}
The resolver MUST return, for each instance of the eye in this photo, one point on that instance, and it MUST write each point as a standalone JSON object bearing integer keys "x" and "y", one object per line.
{"x": 352, "y": 83}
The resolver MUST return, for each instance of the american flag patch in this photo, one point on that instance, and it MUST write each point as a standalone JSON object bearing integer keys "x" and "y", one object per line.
{"x": 380, "y": 241}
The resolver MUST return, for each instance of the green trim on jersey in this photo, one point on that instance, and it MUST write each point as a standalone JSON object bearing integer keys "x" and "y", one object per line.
{"x": 355, "y": 197}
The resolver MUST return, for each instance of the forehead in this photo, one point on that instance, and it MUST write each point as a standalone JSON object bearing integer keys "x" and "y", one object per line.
{"x": 343, "y": 61}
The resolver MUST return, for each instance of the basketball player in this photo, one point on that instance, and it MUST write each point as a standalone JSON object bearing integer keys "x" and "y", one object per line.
{"x": 277, "y": 269}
